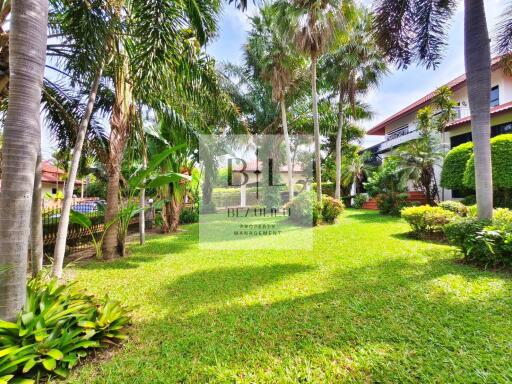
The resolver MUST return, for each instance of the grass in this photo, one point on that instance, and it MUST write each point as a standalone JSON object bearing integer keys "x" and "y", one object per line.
{"x": 367, "y": 304}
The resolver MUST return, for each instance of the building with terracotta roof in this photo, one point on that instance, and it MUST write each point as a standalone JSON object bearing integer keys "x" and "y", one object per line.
{"x": 53, "y": 179}
{"x": 401, "y": 127}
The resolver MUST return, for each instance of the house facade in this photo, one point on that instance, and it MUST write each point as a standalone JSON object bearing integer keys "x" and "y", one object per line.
{"x": 402, "y": 126}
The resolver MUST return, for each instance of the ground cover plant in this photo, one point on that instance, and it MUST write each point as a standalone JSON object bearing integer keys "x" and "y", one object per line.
{"x": 366, "y": 304}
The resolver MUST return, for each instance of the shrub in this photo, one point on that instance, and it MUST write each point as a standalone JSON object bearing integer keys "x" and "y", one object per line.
{"x": 501, "y": 153}
{"x": 392, "y": 203}
{"x": 469, "y": 200}
{"x": 454, "y": 206}
{"x": 304, "y": 209}
{"x": 484, "y": 241}
{"x": 453, "y": 166}
{"x": 331, "y": 208}
{"x": 189, "y": 215}
{"x": 472, "y": 211}
{"x": 426, "y": 219}
{"x": 462, "y": 233}
{"x": 502, "y": 218}
{"x": 388, "y": 186}
{"x": 55, "y": 329}
{"x": 359, "y": 200}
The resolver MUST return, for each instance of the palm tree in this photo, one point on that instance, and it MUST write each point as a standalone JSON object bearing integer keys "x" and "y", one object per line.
{"x": 416, "y": 31}
{"x": 312, "y": 24}
{"x": 20, "y": 147}
{"x": 147, "y": 63}
{"x": 272, "y": 58}
{"x": 352, "y": 68}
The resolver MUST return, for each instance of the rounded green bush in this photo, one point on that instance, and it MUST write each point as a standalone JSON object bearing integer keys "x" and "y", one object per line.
{"x": 331, "y": 208}
{"x": 501, "y": 154}
{"x": 304, "y": 209}
{"x": 425, "y": 219}
{"x": 453, "y": 166}
{"x": 454, "y": 206}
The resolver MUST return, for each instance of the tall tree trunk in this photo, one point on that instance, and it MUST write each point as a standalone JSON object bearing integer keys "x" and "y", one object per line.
{"x": 119, "y": 131}
{"x": 62, "y": 232}
{"x": 339, "y": 135}
{"x": 21, "y": 136}
{"x": 316, "y": 126}
{"x": 175, "y": 211}
{"x": 142, "y": 214}
{"x": 36, "y": 230}
{"x": 478, "y": 71}
{"x": 287, "y": 144}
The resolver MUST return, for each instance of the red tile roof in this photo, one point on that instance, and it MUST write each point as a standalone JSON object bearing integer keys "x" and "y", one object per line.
{"x": 51, "y": 174}
{"x": 494, "y": 111}
{"x": 455, "y": 84}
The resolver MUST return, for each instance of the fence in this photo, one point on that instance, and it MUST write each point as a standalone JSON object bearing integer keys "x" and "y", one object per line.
{"x": 78, "y": 237}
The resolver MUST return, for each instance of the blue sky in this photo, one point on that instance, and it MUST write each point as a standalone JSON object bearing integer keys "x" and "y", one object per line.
{"x": 398, "y": 89}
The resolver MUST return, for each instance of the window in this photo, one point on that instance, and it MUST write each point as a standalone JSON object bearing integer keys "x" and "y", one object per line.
{"x": 54, "y": 191}
{"x": 495, "y": 96}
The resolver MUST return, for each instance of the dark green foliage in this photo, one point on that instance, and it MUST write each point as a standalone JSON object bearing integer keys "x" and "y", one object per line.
{"x": 501, "y": 153}
{"x": 484, "y": 241}
{"x": 469, "y": 200}
{"x": 304, "y": 209}
{"x": 331, "y": 209}
{"x": 359, "y": 200}
{"x": 56, "y": 328}
{"x": 392, "y": 203}
{"x": 388, "y": 186}
{"x": 97, "y": 188}
{"x": 189, "y": 215}
{"x": 453, "y": 166}
{"x": 427, "y": 220}
{"x": 454, "y": 206}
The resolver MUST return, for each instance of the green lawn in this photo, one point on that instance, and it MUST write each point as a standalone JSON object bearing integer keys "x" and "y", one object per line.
{"x": 367, "y": 304}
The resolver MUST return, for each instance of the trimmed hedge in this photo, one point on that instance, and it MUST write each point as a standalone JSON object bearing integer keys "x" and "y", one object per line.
{"x": 427, "y": 220}
{"x": 452, "y": 175}
{"x": 501, "y": 154}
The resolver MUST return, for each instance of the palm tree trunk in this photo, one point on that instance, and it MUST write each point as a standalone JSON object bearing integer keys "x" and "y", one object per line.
{"x": 142, "y": 214}
{"x": 62, "y": 232}
{"x": 478, "y": 69}
{"x": 337, "y": 191}
{"x": 36, "y": 230}
{"x": 119, "y": 131}
{"x": 21, "y": 137}
{"x": 316, "y": 126}
{"x": 288, "y": 149}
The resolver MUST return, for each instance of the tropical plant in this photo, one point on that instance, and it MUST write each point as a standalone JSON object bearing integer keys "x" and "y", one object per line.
{"x": 21, "y": 137}
{"x": 388, "y": 186}
{"x": 272, "y": 57}
{"x": 416, "y": 30}
{"x": 350, "y": 69}
{"x": 55, "y": 329}
{"x": 312, "y": 24}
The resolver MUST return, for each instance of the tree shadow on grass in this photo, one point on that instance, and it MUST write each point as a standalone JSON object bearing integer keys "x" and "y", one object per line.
{"x": 155, "y": 248}
{"x": 220, "y": 284}
{"x": 385, "y": 322}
